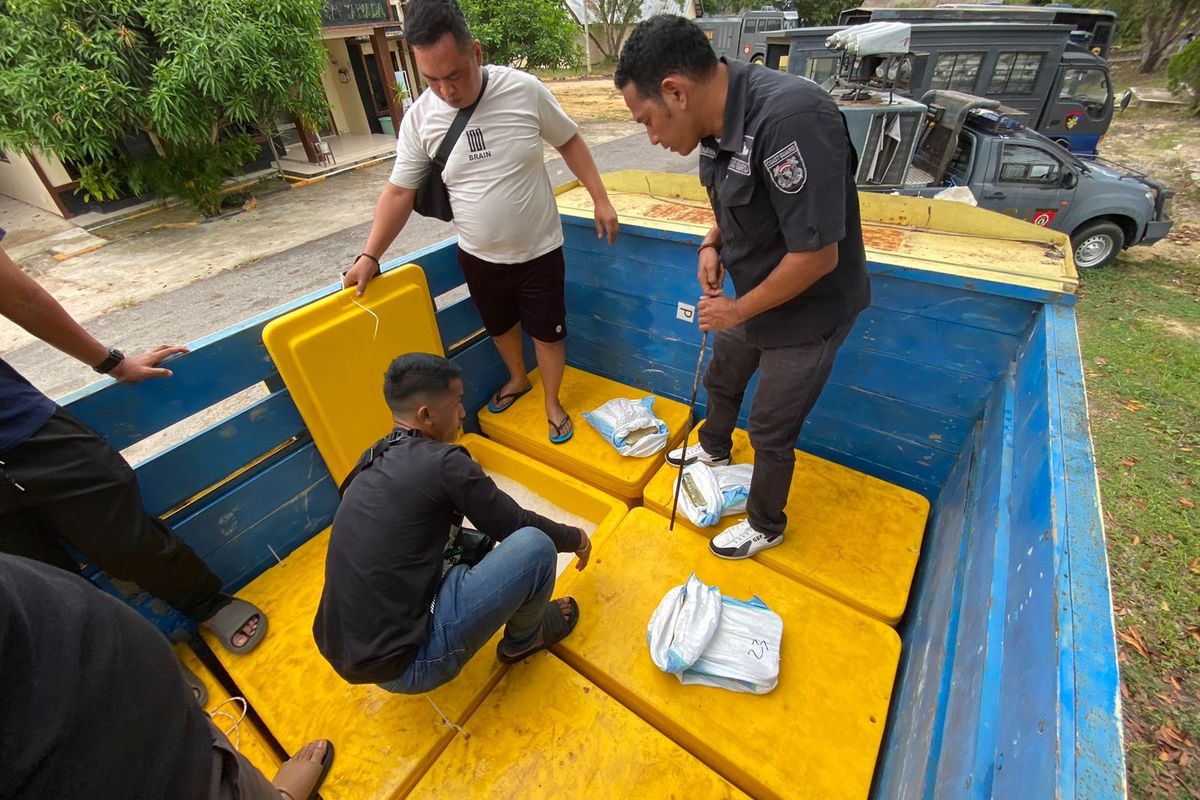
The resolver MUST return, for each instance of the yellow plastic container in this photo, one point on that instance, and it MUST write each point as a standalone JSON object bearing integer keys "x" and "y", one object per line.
{"x": 332, "y": 355}
{"x": 384, "y": 741}
{"x": 587, "y": 456}
{"x": 816, "y": 735}
{"x": 547, "y": 732}
{"x": 245, "y": 735}
{"x": 854, "y": 537}
{"x": 560, "y": 489}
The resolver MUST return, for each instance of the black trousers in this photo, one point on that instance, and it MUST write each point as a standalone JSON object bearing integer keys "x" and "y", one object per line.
{"x": 66, "y": 484}
{"x": 790, "y": 380}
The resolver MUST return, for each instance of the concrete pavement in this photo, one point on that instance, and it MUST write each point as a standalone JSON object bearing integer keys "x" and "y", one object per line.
{"x": 208, "y": 299}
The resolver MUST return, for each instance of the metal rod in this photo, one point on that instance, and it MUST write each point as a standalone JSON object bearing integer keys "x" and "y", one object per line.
{"x": 688, "y": 428}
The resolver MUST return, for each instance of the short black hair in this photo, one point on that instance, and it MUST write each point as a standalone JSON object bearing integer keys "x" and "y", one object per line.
{"x": 661, "y": 46}
{"x": 427, "y": 21}
{"x": 417, "y": 376}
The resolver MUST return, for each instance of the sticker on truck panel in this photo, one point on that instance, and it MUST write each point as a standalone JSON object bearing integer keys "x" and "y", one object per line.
{"x": 1073, "y": 119}
{"x": 1044, "y": 216}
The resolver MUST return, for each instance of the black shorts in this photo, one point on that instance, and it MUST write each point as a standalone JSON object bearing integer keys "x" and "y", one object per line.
{"x": 531, "y": 293}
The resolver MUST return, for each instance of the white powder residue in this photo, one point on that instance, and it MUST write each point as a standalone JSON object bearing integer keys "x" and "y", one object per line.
{"x": 532, "y": 501}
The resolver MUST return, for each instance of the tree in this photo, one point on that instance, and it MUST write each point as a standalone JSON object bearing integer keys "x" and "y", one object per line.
{"x": 1184, "y": 71}
{"x": 79, "y": 77}
{"x": 1163, "y": 22}
{"x": 614, "y": 18}
{"x": 531, "y": 34}
{"x": 1156, "y": 25}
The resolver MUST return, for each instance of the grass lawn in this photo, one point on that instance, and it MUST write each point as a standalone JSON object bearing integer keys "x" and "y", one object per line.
{"x": 1139, "y": 322}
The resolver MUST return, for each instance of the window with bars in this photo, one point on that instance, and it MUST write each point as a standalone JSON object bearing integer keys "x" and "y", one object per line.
{"x": 956, "y": 71}
{"x": 1015, "y": 73}
{"x": 1029, "y": 165}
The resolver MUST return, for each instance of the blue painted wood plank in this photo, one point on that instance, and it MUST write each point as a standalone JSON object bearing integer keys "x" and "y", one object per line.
{"x": 959, "y": 348}
{"x": 964, "y": 767}
{"x": 211, "y": 455}
{"x": 893, "y": 455}
{"x": 914, "y": 714}
{"x": 127, "y": 413}
{"x": 926, "y": 489}
{"x": 483, "y": 374}
{"x": 974, "y": 309}
{"x": 654, "y": 376}
{"x": 983, "y": 287}
{"x": 1099, "y": 757}
{"x": 922, "y": 384}
{"x": 667, "y": 284}
{"x": 457, "y": 322}
{"x": 300, "y": 517}
{"x": 253, "y": 497}
{"x": 896, "y": 417}
{"x": 1064, "y": 628}
{"x": 440, "y": 263}
{"x": 673, "y": 350}
{"x": 1026, "y": 729}
{"x": 633, "y": 311}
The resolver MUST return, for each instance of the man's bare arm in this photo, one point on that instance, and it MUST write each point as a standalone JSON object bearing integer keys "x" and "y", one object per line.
{"x": 392, "y": 211}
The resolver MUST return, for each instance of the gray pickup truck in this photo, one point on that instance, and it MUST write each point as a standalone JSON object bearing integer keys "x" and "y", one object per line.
{"x": 970, "y": 141}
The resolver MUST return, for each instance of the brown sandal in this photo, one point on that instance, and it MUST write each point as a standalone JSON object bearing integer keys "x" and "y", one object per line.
{"x": 296, "y": 775}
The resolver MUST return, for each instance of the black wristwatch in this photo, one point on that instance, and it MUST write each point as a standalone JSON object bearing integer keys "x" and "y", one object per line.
{"x": 106, "y": 366}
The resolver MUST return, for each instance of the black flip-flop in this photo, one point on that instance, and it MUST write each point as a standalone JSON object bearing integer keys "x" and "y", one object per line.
{"x": 325, "y": 763}
{"x": 555, "y": 628}
{"x": 497, "y": 404}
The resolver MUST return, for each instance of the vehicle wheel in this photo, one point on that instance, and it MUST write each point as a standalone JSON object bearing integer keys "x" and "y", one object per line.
{"x": 1097, "y": 243}
{"x": 757, "y": 60}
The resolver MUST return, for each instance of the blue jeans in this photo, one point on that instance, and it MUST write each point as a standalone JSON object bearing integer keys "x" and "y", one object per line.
{"x": 510, "y": 586}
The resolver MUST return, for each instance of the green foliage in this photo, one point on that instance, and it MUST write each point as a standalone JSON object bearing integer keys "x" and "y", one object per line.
{"x": 531, "y": 34}
{"x": 99, "y": 181}
{"x": 819, "y": 12}
{"x": 812, "y": 13}
{"x": 194, "y": 173}
{"x": 77, "y": 76}
{"x": 1183, "y": 70}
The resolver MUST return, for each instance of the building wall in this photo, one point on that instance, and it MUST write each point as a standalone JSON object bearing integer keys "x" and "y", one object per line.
{"x": 19, "y": 180}
{"x": 344, "y": 100}
{"x": 56, "y": 173}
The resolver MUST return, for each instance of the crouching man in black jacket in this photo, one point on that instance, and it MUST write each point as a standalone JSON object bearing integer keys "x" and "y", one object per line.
{"x": 402, "y": 607}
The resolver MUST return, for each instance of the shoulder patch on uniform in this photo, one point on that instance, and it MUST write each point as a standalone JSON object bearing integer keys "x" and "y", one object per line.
{"x": 787, "y": 169}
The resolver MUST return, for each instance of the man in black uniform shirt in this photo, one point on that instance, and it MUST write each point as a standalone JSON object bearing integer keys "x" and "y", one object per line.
{"x": 398, "y": 609}
{"x": 778, "y": 165}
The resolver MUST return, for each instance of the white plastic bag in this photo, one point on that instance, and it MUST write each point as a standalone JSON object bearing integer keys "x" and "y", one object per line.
{"x": 630, "y": 426}
{"x": 704, "y": 638}
{"x": 721, "y": 491}
{"x": 743, "y": 655}
{"x": 683, "y": 624}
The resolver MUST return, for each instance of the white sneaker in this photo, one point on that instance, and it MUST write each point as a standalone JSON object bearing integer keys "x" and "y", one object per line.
{"x": 695, "y": 452}
{"x": 742, "y": 541}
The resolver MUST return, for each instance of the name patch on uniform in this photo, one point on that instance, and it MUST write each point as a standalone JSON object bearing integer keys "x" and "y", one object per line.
{"x": 787, "y": 169}
{"x": 740, "y": 163}
{"x": 707, "y": 151}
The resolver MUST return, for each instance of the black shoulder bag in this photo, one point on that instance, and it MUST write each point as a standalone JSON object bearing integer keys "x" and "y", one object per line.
{"x": 432, "y": 198}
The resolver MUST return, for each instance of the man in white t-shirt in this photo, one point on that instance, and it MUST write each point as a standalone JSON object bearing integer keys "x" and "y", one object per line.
{"x": 510, "y": 236}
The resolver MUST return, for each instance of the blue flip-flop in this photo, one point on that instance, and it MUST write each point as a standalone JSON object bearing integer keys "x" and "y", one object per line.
{"x": 498, "y": 405}
{"x": 559, "y": 437}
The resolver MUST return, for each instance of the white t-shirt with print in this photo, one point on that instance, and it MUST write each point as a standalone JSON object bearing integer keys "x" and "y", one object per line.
{"x": 500, "y": 193}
